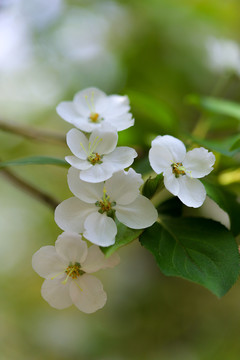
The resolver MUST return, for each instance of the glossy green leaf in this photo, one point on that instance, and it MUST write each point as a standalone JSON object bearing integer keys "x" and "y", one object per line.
{"x": 34, "y": 160}
{"x": 196, "y": 249}
{"x": 227, "y": 201}
{"x": 152, "y": 185}
{"x": 124, "y": 236}
{"x": 216, "y": 106}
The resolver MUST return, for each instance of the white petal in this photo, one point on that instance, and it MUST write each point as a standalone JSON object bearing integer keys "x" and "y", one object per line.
{"x": 106, "y": 139}
{"x": 77, "y": 143}
{"x": 138, "y": 215}
{"x": 71, "y": 214}
{"x": 199, "y": 162}
{"x": 121, "y": 158}
{"x": 96, "y": 260}
{"x": 89, "y": 193}
{"x": 112, "y": 261}
{"x": 100, "y": 229}
{"x": 68, "y": 112}
{"x": 47, "y": 263}
{"x": 71, "y": 247}
{"x": 78, "y": 163}
{"x": 56, "y": 293}
{"x": 87, "y": 293}
{"x": 85, "y": 125}
{"x": 171, "y": 182}
{"x": 123, "y": 187}
{"x": 113, "y": 105}
{"x": 121, "y": 122}
{"x": 173, "y": 145}
{"x": 191, "y": 191}
{"x": 97, "y": 174}
{"x": 160, "y": 158}
{"x": 87, "y": 99}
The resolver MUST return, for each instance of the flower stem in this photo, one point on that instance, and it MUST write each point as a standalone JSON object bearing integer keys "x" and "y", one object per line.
{"x": 160, "y": 197}
{"x": 32, "y": 133}
{"x": 202, "y": 127}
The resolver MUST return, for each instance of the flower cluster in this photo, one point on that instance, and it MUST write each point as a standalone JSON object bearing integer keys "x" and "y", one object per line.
{"x": 181, "y": 169}
{"x": 105, "y": 193}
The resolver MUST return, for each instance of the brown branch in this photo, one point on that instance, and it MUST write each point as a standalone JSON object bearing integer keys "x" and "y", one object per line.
{"x": 29, "y": 189}
{"x": 32, "y": 133}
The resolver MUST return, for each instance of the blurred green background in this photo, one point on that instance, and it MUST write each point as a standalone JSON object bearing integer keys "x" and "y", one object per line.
{"x": 157, "y": 52}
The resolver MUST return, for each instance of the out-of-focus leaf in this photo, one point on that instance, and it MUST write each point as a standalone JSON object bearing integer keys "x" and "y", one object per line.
{"x": 124, "y": 236}
{"x": 151, "y": 186}
{"x": 216, "y": 106}
{"x": 236, "y": 145}
{"x": 196, "y": 249}
{"x": 34, "y": 160}
{"x": 222, "y": 146}
{"x": 227, "y": 201}
{"x": 151, "y": 108}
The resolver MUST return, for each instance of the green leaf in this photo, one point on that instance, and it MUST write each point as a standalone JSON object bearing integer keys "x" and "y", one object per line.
{"x": 154, "y": 109}
{"x": 196, "y": 249}
{"x": 34, "y": 160}
{"x": 222, "y": 146}
{"x": 227, "y": 201}
{"x": 171, "y": 207}
{"x": 124, "y": 236}
{"x": 216, "y": 106}
{"x": 236, "y": 145}
{"x": 151, "y": 186}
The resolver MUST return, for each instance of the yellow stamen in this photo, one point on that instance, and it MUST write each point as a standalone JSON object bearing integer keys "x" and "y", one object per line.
{"x": 94, "y": 158}
{"x": 178, "y": 169}
{"x": 73, "y": 271}
{"x": 90, "y": 104}
{"x": 78, "y": 285}
{"x": 94, "y": 117}
{"x": 55, "y": 276}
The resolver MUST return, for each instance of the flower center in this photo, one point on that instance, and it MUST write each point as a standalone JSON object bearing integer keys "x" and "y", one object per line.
{"x": 94, "y": 117}
{"x": 92, "y": 156}
{"x": 95, "y": 158}
{"x": 178, "y": 169}
{"x": 106, "y": 205}
{"x": 74, "y": 270}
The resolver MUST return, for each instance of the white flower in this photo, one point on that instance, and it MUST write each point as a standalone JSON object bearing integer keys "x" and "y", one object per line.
{"x": 181, "y": 169}
{"x": 66, "y": 268}
{"x": 93, "y": 210}
{"x": 92, "y": 107}
{"x": 224, "y": 54}
{"x": 98, "y": 158}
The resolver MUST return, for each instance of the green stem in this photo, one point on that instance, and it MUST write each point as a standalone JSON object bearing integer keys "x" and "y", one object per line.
{"x": 160, "y": 197}
{"x": 202, "y": 127}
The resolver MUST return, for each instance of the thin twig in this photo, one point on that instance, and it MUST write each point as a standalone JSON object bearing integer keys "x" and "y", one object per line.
{"x": 29, "y": 189}
{"x": 202, "y": 127}
{"x": 32, "y": 133}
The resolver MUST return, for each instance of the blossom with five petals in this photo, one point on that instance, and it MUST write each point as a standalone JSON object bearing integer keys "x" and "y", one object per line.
{"x": 67, "y": 269}
{"x": 93, "y": 209}
{"x": 92, "y": 107}
{"x": 181, "y": 169}
{"x": 97, "y": 158}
